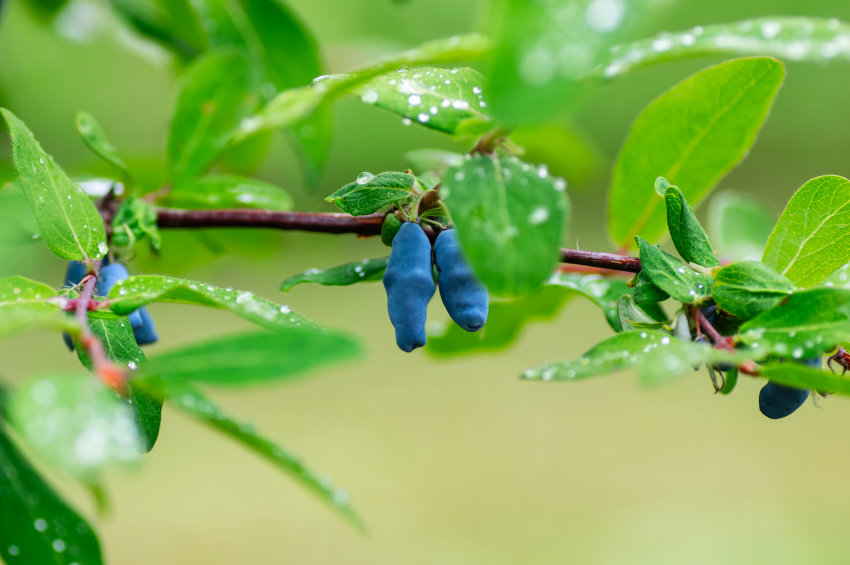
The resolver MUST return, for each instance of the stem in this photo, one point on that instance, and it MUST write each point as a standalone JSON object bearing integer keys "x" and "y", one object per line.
{"x": 111, "y": 374}
{"x": 609, "y": 261}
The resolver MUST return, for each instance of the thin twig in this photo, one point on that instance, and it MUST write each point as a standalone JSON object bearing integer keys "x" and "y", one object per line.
{"x": 111, "y": 374}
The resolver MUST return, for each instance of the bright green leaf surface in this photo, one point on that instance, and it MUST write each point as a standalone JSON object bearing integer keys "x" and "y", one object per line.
{"x": 254, "y": 357}
{"x": 24, "y": 302}
{"x": 739, "y": 226}
{"x": 657, "y": 357}
{"x": 692, "y": 135}
{"x": 434, "y": 97}
{"x": 95, "y": 139}
{"x": 184, "y": 396}
{"x": 510, "y": 218}
{"x": 369, "y": 193}
{"x": 507, "y": 319}
{"x": 215, "y": 93}
{"x": 807, "y": 324}
{"x": 789, "y": 38}
{"x": 76, "y": 423}
{"x": 69, "y": 222}
{"x": 672, "y": 276}
{"x": 131, "y": 293}
{"x": 36, "y": 526}
{"x": 801, "y": 376}
{"x": 748, "y": 288}
{"x": 686, "y": 232}
{"x": 134, "y": 221}
{"x": 349, "y": 273}
{"x": 633, "y": 317}
{"x": 809, "y": 242}
{"x": 227, "y": 191}
{"x": 646, "y": 291}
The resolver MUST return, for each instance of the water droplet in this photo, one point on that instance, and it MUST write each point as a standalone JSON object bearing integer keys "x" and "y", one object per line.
{"x": 423, "y": 117}
{"x": 797, "y": 353}
{"x": 370, "y": 96}
{"x": 40, "y": 524}
{"x": 662, "y": 44}
{"x": 460, "y": 104}
{"x": 406, "y": 121}
{"x": 769, "y": 30}
{"x": 14, "y": 550}
{"x": 604, "y": 15}
{"x": 58, "y": 545}
{"x": 414, "y": 100}
{"x": 364, "y": 177}
{"x": 538, "y": 216}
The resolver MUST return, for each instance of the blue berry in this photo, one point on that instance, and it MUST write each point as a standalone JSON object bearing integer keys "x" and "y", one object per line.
{"x": 778, "y": 401}
{"x": 109, "y": 275}
{"x": 409, "y": 282}
{"x": 463, "y": 295}
{"x": 145, "y": 334}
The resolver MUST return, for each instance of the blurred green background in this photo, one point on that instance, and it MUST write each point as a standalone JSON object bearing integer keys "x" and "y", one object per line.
{"x": 449, "y": 461}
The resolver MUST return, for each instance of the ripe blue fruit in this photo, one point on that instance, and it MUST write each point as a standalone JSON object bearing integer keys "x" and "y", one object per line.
{"x": 145, "y": 334}
{"x": 409, "y": 282}
{"x": 778, "y": 401}
{"x": 463, "y": 295}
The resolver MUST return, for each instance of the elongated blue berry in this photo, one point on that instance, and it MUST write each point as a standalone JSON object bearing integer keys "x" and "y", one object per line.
{"x": 778, "y": 401}
{"x": 409, "y": 282}
{"x": 463, "y": 295}
{"x": 109, "y": 275}
{"x": 145, "y": 334}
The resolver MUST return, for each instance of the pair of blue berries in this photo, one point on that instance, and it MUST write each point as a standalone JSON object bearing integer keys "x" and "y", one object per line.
{"x": 111, "y": 273}
{"x": 409, "y": 282}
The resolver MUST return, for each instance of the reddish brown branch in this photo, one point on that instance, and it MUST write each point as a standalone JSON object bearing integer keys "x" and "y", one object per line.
{"x": 609, "y": 261}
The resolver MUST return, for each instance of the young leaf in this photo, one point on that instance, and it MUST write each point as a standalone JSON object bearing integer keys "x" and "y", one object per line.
{"x": 748, "y": 288}
{"x": 24, "y": 302}
{"x": 839, "y": 278}
{"x": 184, "y": 396}
{"x": 791, "y": 38}
{"x": 227, "y": 191}
{"x": 510, "y": 219}
{"x": 434, "y": 97}
{"x": 215, "y": 93}
{"x": 739, "y": 226}
{"x": 134, "y": 221}
{"x": 672, "y": 276}
{"x": 657, "y": 357}
{"x": 95, "y": 139}
{"x": 507, "y": 319}
{"x": 253, "y": 357}
{"x": 633, "y": 317}
{"x": 76, "y": 423}
{"x": 709, "y": 122}
{"x": 36, "y": 526}
{"x": 369, "y": 193}
{"x": 686, "y": 232}
{"x": 71, "y": 225}
{"x": 131, "y": 293}
{"x": 808, "y": 242}
{"x": 349, "y": 273}
{"x": 804, "y": 325}
{"x": 798, "y": 375}
{"x": 646, "y": 292}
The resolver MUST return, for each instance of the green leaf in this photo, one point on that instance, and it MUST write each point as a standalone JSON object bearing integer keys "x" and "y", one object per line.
{"x": 798, "y": 375}
{"x": 227, "y": 191}
{"x": 790, "y": 38}
{"x": 24, "y": 303}
{"x": 95, "y": 139}
{"x": 633, "y": 317}
{"x": 369, "y": 193}
{"x": 507, "y": 319}
{"x": 69, "y": 222}
{"x": 692, "y": 135}
{"x": 36, "y": 525}
{"x": 657, "y": 357}
{"x": 804, "y": 325}
{"x": 253, "y": 357}
{"x": 748, "y": 288}
{"x": 134, "y": 221}
{"x": 510, "y": 219}
{"x": 686, "y": 232}
{"x": 170, "y": 23}
{"x": 646, "y": 291}
{"x": 739, "y": 226}
{"x": 840, "y": 278}
{"x": 672, "y": 276}
{"x": 76, "y": 423}
{"x": 131, "y": 293}
{"x": 808, "y": 242}
{"x": 215, "y": 94}
{"x": 293, "y": 105}
{"x": 544, "y": 50}
{"x": 190, "y": 400}
{"x": 434, "y": 97}
{"x": 392, "y": 223}
{"x": 349, "y": 273}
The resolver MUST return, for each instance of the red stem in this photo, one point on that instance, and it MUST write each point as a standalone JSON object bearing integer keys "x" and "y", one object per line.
{"x": 111, "y": 374}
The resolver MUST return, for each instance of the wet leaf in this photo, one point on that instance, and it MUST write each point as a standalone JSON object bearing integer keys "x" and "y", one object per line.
{"x": 24, "y": 302}
{"x": 672, "y": 276}
{"x": 748, "y": 288}
{"x": 369, "y": 193}
{"x": 349, "y": 273}
{"x": 687, "y": 234}
{"x": 94, "y": 137}
{"x": 134, "y": 221}
{"x": 800, "y": 376}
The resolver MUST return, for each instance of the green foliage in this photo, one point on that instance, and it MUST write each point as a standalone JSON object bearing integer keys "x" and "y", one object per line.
{"x": 646, "y": 291}
{"x": 801, "y": 376}
{"x": 687, "y": 234}
{"x": 510, "y": 218}
{"x": 692, "y": 135}
{"x": 369, "y": 193}
{"x": 24, "y": 303}
{"x": 94, "y": 136}
{"x": 366, "y": 270}
{"x": 253, "y": 357}
{"x": 748, "y": 288}
{"x": 739, "y": 226}
{"x": 229, "y": 191}
{"x": 672, "y": 276}
{"x": 67, "y": 219}
{"x": 633, "y": 317}
{"x": 134, "y": 221}
{"x": 808, "y": 244}
{"x": 36, "y": 525}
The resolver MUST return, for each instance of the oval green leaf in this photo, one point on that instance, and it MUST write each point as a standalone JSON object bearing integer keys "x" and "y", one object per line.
{"x": 228, "y": 191}
{"x": 748, "y": 288}
{"x": 342, "y": 275}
